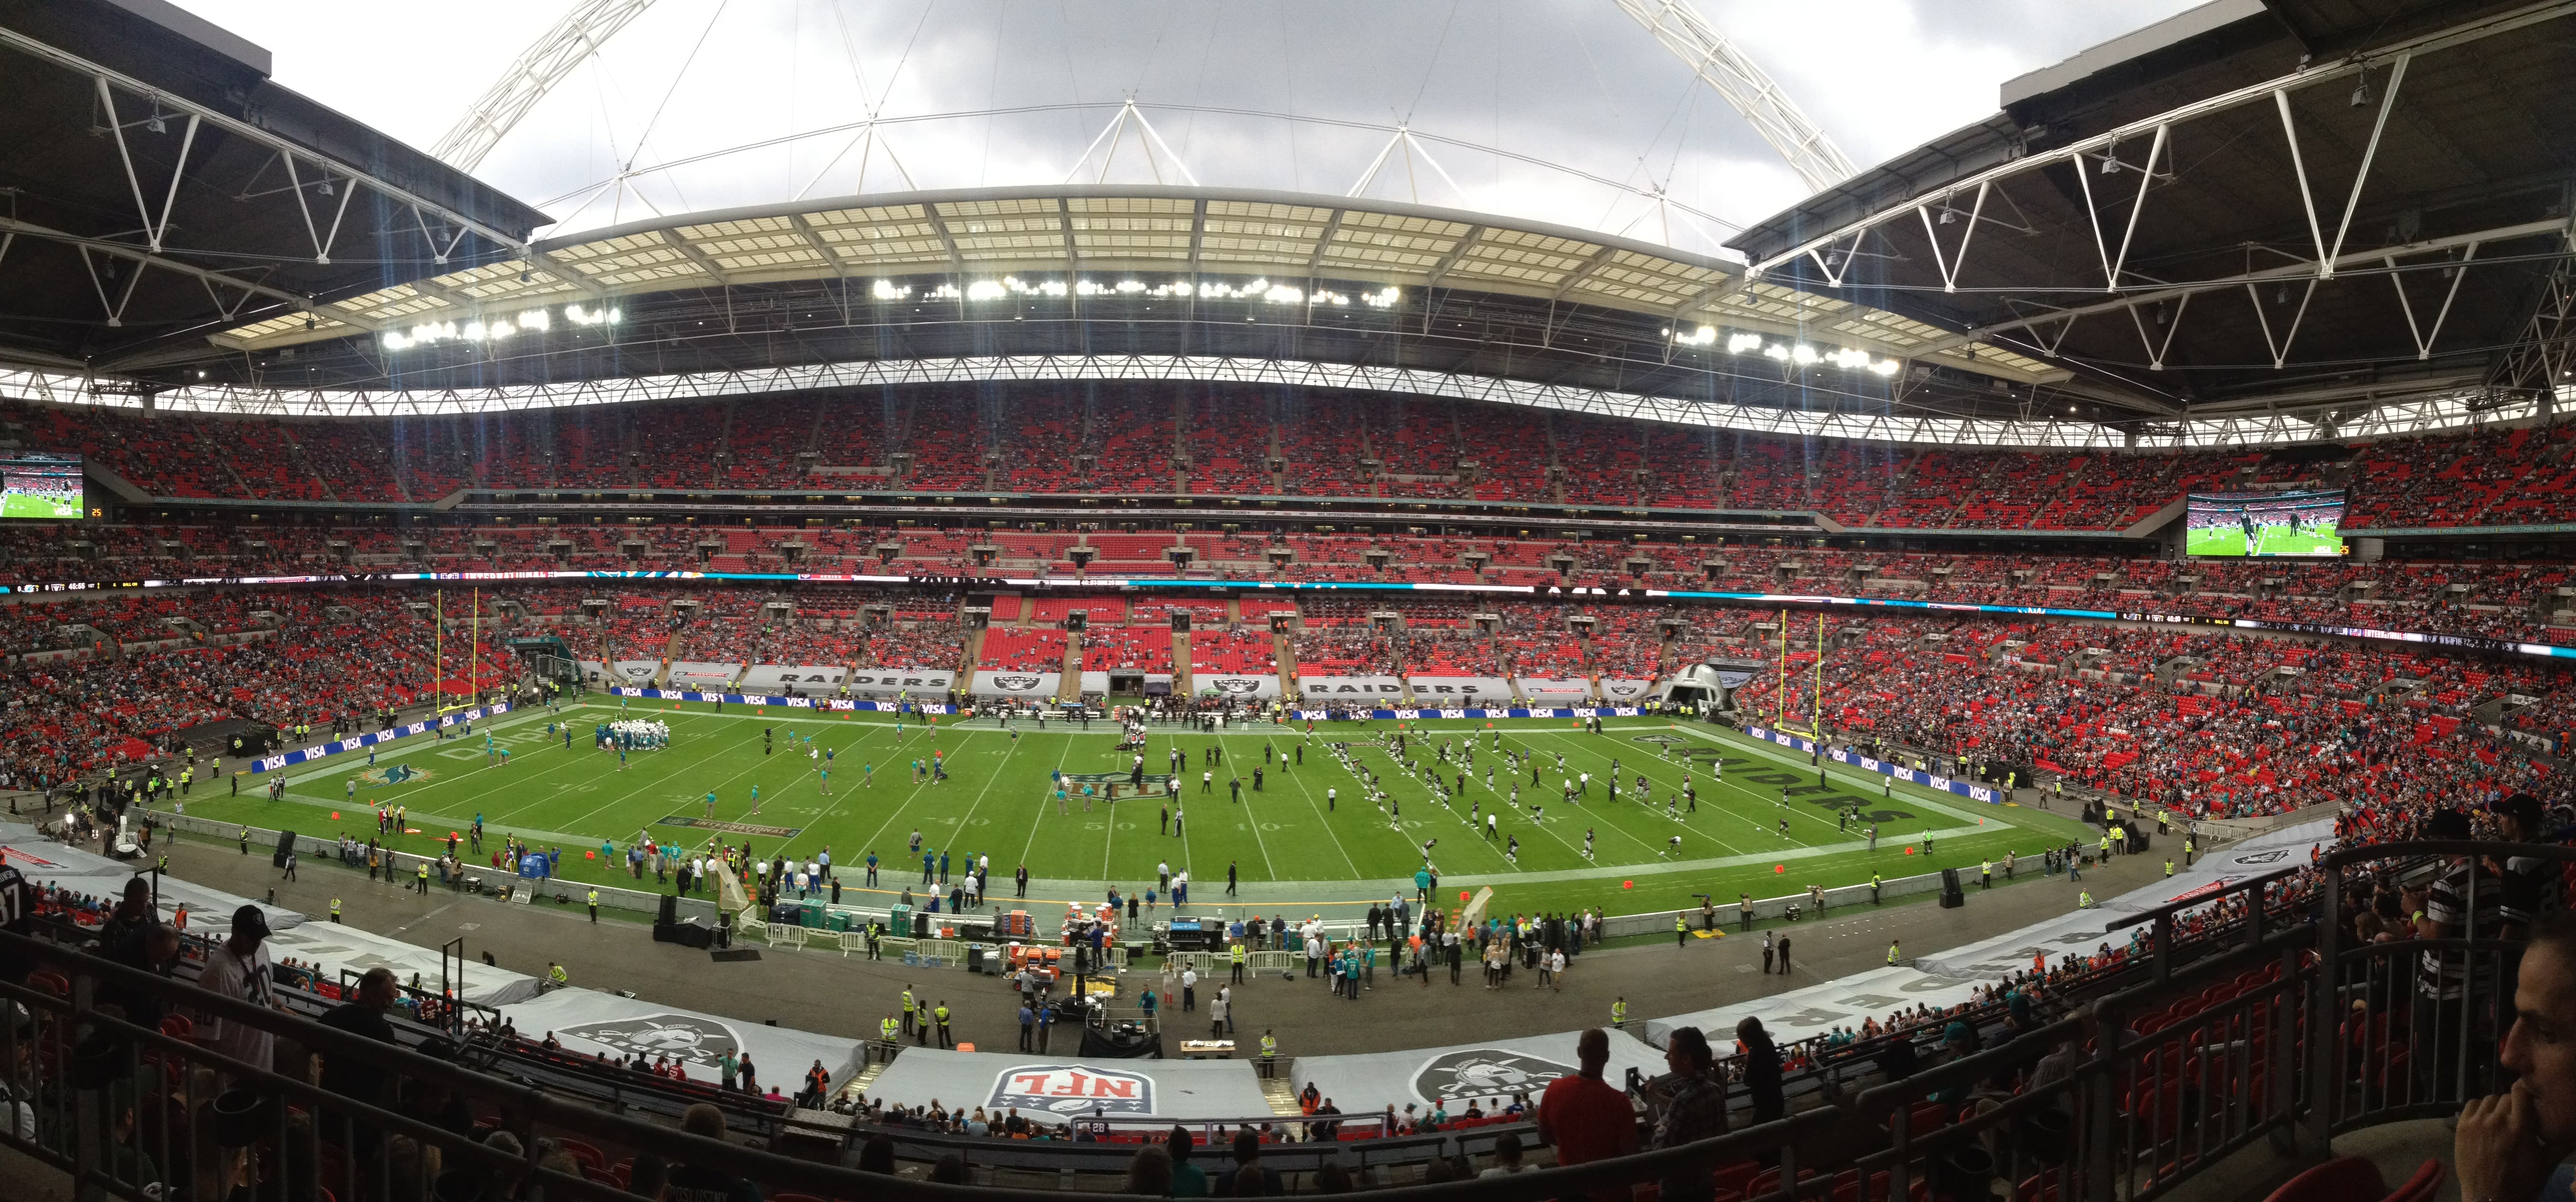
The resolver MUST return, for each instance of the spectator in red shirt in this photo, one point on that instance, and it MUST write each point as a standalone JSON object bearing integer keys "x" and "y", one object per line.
{"x": 1586, "y": 1118}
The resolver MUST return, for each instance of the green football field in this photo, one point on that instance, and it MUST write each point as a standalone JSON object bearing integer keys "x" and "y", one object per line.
{"x": 1290, "y": 842}
{"x": 2271, "y": 540}
{"x": 33, "y": 505}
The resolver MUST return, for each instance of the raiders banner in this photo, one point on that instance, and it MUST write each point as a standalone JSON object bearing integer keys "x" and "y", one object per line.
{"x": 1233, "y": 685}
{"x": 1625, "y": 692}
{"x": 1454, "y": 691}
{"x": 690, "y": 674}
{"x": 1339, "y": 690}
{"x": 1480, "y": 1072}
{"x": 588, "y": 1021}
{"x": 1556, "y": 689}
{"x": 888, "y": 682}
{"x": 1039, "y": 685}
{"x": 634, "y": 671}
{"x": 778, "y": 678}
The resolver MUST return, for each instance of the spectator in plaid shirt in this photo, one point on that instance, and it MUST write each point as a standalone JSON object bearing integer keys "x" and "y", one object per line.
{"x": 1696, "y": 1111}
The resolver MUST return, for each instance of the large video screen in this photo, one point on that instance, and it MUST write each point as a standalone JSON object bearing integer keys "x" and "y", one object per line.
{"x": 2272, "y": 523}
{"x": 40, "y": 484}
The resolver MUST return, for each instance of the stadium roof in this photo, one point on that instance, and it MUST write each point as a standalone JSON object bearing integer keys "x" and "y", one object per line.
{"x": 2251, "y": 207}
{"x": 1021, "y": 244}
{"x": 156, "y": 187}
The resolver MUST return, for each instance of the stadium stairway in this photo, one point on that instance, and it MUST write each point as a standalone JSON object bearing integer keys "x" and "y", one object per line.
{"x": 974, "y": 641}
{"x": 671, "y": 648}
{"x": 1069, "y": 686}
{"x": 1287, "y": 656}
{"x": 1184, "y": 674}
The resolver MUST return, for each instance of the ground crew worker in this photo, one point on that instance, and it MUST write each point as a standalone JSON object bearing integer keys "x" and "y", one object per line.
{"x": 2168, "y": 866}
{"x": 1874, "y": 882}
{"x": 921, "y": 1024}
{"x": 594, "y": 906}
{"x": 1986, "y": 874}
{"x": 907, "y": 1009}
{"x": 162, "y": 865}
{"x": 335, "y": 910}
{"x": 2164, "y": 820}
{"x": 1269, "y": 1053}
{"x": 555, "y": 973}
{"x": 886, "y": 1029}
{"x": 2084, "y": 899}
{"x": 186, "y": 777}
{"x": 423, "y": 878}
{"x": 942, "y": 1013}
{"x": 1619, "y": 1013}
{"x": 2188, "y": 847}
{"x": 1891, "y": 951}
{"x": 2106, "y": 847}
{"x": 245, "y": 840}
{"x": 1238, "y": 962}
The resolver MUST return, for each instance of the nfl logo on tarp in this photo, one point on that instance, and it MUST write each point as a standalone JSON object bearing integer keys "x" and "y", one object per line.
{"x": 1073, "y": 1089}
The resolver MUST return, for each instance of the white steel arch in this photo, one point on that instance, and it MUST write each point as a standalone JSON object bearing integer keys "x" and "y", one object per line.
{"x": 1745, "y": 86}
{"x": 537, "y": 70}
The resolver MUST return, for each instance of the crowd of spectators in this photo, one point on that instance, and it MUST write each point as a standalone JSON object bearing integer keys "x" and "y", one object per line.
{"x": 1039, "y": 439}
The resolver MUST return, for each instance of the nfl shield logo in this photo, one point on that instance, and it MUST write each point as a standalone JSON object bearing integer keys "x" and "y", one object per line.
{"x": 1073, "y": 1089}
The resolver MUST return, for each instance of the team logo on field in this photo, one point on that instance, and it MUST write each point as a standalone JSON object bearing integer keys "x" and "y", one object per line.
{"x": 394, "y": 774}
{"x": 1072, "y": 1089}
{"x": 1237, "y": 685}
{"x": 731, "y": 828}
{"x": 1015, "y": 683}
{"x": 1483, "y": 1073}
{"x": 1659, "y": 740}
{"x": 694, "y": 1041}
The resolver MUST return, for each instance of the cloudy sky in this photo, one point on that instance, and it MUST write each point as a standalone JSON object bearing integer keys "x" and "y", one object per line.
{"x": 1572, "y": 84}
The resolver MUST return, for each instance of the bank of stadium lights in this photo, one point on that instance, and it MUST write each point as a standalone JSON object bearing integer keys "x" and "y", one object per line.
{"x": 1788, "y": 352}
{"x": 534, "y": 321}
{"x": 1258, "y": 290}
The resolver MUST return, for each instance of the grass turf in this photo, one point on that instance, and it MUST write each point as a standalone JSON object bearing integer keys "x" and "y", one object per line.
{"x": 1289, "y": 842}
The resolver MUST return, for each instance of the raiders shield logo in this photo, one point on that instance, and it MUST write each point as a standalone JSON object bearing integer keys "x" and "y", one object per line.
{"x": 1236, "y": 685}
{"x": 1485, "y": 1073}
{"x": 1625, "y": 690}
{"x": 2273, "y": 856}
{"x": 693, "y": 1041}
{"x": 1015, "y": 684}
{"x": 1072, "y": 1089}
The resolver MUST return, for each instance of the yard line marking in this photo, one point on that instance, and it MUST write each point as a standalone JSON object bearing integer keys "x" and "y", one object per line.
{"x": 1321, "y": 821}
{"x": 1039, "y": 822}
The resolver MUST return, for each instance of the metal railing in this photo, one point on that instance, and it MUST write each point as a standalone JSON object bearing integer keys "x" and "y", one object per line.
{"x": 2289, "y": 1033}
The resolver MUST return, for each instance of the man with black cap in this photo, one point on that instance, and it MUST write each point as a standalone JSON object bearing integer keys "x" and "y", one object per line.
{"x": 239, "y": 968}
